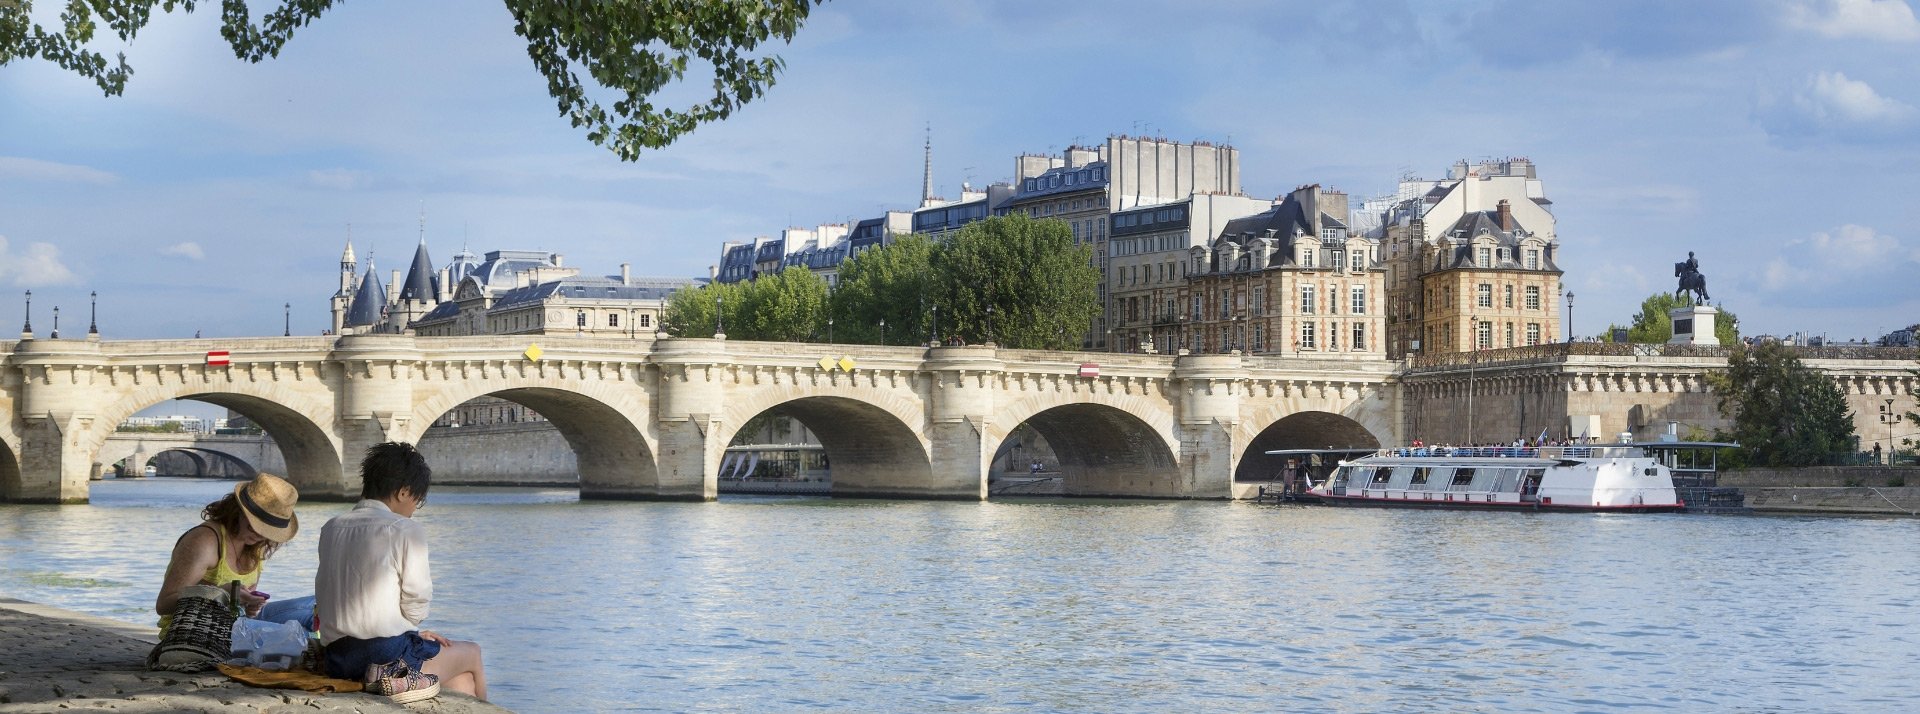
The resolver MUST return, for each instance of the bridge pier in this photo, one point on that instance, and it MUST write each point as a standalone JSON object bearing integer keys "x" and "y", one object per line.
{"x": 1209, "y": 417}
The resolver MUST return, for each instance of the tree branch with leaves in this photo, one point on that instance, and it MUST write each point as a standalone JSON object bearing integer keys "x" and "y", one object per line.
{"x": 635, "y": 48}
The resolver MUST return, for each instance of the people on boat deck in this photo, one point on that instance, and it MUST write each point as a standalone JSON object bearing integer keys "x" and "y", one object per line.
{"x": 374, "y": 587}
{"x": 230, "y": 548}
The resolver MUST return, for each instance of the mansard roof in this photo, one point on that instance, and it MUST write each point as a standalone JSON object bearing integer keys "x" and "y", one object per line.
{"x": 1456, "y": 244}
{"x": 595, "y": 289}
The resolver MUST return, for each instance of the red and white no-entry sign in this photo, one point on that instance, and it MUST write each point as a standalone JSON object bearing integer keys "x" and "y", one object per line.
{"x": 217, "y": 358}
{"x": 1089, "y": 369}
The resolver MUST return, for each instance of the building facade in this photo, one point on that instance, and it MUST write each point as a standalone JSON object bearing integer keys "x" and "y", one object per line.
{"x": 1290, "y": 280}
{"x": 1149, "y": 252}
{"x": 1489, "y": 283}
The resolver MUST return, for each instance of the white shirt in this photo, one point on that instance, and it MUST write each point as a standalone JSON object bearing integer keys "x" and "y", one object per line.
{"x": 373, "y": 579}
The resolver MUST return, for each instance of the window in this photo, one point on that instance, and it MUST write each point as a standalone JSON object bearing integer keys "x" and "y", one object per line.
{"x": 1226, "y": 302}
{"x": 1420, "y": 475}
{"x": 1359, "y": 260}
{"x": 1509, "y": 334}
{"x": 1485, "y": 295}
{"x": 1533, "y": 297}
{"x": 1306, "y": 257}
{"x": 1486, "y": 257}
{"x": 646, "y": 320}
{"x": 1533, "y": 258}
{"x": 1462, "y": 478}
{"x": 1359, "y": 336}
{"x": 1533, "y": 333}
{"x": 1381, "y": 476}
{"x": 1195, "y": 314}
{"x": 1259, "y": 301}
{"x": 580, "y": 319}
{"x": 1306, "y": 299}
{"x": 1259, "y": 339}
{"x": 1484, "y": 338}
{"x": 1306, "y": 336}
{"x": 1359, "y": 300}
{"x": 613, "y": 319}
{"x": 1333, "y": 337}
{"x": 1509, "y": 296}
{"x": 1339, "y": 260}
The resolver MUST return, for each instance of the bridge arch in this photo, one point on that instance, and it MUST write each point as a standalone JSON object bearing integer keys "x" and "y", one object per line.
{"x": 9, "y": 468}
{"x": 1307, "y": 429}
{"x": 872, "y": 447}
{"x": 1126, "y": 446}
{"x": 292, "y": 420}
{"x": 613, "y": 454}
{"x": 208, "y": 463}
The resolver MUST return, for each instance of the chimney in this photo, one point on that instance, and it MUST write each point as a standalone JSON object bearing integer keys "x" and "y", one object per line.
{"x": 626, "y": 273}
{"x": 713, "y": 272}
{"x": 393, "y": 294}
{"x": 559, "y": 261}
{"x": 1506, "y": 215}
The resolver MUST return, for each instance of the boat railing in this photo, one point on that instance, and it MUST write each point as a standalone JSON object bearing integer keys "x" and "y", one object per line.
{"x": 1514, "y": 452}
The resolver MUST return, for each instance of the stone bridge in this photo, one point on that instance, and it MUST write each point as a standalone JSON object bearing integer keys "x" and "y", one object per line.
{"x": 234, "y": 455}
{"x": 651, "y": 419}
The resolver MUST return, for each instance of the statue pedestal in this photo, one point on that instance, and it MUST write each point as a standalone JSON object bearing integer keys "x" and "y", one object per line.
{"x": 1694, "y": 325}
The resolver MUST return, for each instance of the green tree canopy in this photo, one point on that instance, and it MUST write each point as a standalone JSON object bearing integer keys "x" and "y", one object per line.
{"x": 1784, "y": 413}
{"x": 635, "y": 48}
{"x": 1017, "y": 281}
{"x": 1654, "y": 324}
{"x": 893, "y": 284}
{"x": 788, "y": 306}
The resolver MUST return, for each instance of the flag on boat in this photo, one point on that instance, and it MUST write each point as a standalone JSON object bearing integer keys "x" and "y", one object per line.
{"x": 1543, "y": 436}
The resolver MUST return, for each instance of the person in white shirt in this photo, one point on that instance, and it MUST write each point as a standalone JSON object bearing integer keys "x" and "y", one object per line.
{"x": 373, "y": 586}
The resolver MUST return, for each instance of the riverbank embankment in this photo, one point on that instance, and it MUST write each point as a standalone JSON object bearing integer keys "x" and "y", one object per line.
{"x": 58, "y": 659}
{"x": 1864, "y": 490}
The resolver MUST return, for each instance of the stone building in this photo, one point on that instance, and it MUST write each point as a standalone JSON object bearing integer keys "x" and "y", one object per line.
{"x": 1289, "y": 280}
{"x": 1147, "y": 264}
{"x": 1488, "y": 282}
{"x": 1422, "y": 212}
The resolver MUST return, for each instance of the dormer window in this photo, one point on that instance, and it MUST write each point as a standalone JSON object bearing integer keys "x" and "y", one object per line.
{"x": 1486, "y": 257}
{"x": 1533, "y": 258}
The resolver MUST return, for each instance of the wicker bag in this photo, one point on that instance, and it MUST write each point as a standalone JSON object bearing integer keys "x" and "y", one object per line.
{"x": 200, "y": 633}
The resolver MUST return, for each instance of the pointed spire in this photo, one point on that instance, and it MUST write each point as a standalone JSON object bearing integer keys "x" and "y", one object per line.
{"x": 926, "y": 183}
{"x": 369, "y": 302}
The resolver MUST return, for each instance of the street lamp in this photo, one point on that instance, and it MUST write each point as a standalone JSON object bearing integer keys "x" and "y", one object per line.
{"x": 829, "y": 330}
{"x": 93, "y": 313}
{"x": 1569, "y": 315}
{"x": 719, "y": 316}
{"x": 1473, "y": 366}
{"x": 1887, "y": 415}
{"x": 28, "y": 327}
{"x": 935, "y": 336}
{"x": 989, "y": 323}
{"x": 286, "y": 329}
{"x": 883, "y": 331}
{"x": 56, "y": 322}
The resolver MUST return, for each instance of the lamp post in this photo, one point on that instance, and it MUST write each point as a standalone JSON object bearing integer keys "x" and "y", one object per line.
{"x": 829, "y": 330}
{"x": 56, "y": 322}
{"x": 93, "y": 313}
{"x": 286, "y": 325}
{"x": 883, "y": 331}
{"x": 1887, "y": 415}
{"x": 1473, "y": 366}
{"x": 27, "y": 329}
{"x": 990, "y": 323}
{"x": 934, "y": 338}
{"x": 1569, "y": 315}
{"x": 719, "y": 316}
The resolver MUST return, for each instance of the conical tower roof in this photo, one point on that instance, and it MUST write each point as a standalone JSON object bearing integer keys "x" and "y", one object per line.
{"x": 368, "y": 301}
{"x": 346, "y": 256}
{"x": 419, "y": 284}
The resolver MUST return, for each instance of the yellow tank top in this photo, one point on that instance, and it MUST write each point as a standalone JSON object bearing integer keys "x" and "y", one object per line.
{"x": 220, "y": 574}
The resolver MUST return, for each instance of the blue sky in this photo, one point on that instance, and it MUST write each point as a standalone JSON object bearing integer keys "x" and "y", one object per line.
{"x": 1779, "y": 139}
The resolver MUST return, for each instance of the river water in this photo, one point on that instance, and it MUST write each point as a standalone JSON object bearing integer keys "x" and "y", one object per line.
{"x": 773, "y": 605}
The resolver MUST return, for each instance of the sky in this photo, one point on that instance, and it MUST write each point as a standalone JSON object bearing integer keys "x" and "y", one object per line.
{"x": 1778, "y": 139}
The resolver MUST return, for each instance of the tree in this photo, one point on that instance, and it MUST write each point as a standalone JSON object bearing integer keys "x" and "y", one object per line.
{"x": 1654, "y": 324}
{"x": 1020, "y": 282}
{"x": 891, "y": 283}
{"x": 788, "y": 306}
{"x": 634, "y": 48}
{"x": 1784, "y": 413}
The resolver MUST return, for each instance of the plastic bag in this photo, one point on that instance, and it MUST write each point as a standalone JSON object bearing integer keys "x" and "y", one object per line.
{"x": 267, "y": 645}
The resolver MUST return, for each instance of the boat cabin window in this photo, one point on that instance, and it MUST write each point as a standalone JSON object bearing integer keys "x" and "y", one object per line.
{"x": 1462, "y": 477}
{"x": 1381, "y": 476}
{"x": 1420, "y": 475}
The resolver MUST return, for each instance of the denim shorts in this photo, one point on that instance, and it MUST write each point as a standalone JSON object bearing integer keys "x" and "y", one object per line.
{"x": 349, "y": 657}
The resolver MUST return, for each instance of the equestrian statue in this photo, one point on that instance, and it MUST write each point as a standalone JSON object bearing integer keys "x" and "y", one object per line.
{"x": 1690, "y": 279}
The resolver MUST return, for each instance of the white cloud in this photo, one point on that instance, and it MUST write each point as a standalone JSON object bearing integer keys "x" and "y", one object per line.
{"x": 36, "y": 265}
{"x": 188, "y": 249}
{"x": 1851, "y": 252}
{"x": 1830, "y": 104}
{"x": 1890, "y": 20}
{"x": 17, "y": 168}
{"x": 339, "y": 179}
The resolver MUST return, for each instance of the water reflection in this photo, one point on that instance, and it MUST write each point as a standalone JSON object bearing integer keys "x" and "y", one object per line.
{"x": 775, "y": 604}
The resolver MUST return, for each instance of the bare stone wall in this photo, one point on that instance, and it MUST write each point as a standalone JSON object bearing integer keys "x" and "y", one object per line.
{"x": 500, "y": 455}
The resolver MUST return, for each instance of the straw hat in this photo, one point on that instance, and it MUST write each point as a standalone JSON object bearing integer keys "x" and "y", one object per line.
{"x": 268, "y": 502}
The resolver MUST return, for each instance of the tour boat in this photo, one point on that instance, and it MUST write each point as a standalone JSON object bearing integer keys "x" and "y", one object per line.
{"x": 1614, "y": 478}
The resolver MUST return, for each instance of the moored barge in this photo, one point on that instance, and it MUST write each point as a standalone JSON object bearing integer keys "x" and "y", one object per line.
{"x": 1612, "y": 478}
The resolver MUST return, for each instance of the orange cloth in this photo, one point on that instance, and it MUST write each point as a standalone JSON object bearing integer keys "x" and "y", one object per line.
{"x": 290, "y": 679}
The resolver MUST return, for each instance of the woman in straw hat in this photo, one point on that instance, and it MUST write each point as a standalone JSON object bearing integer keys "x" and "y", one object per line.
{"x": 236, "y": 536}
